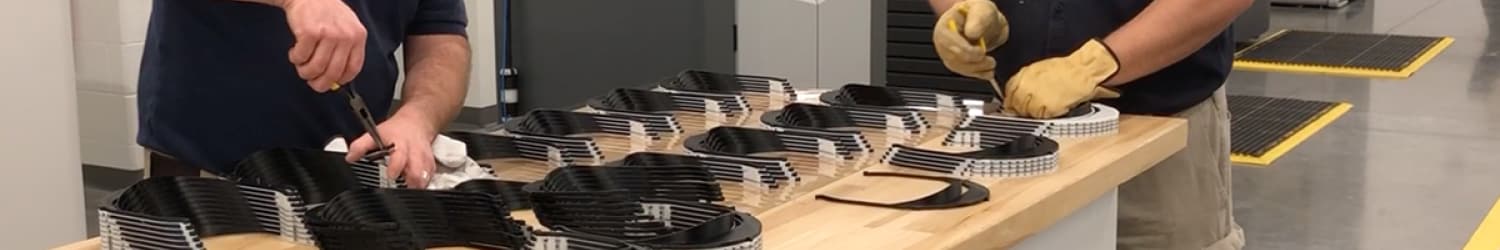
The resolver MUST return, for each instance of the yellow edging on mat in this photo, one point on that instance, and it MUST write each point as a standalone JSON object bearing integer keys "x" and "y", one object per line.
{"x": 1416, "y": 64}
{"x": 1487, "y": 236}
{"x": 1307, "y": 131}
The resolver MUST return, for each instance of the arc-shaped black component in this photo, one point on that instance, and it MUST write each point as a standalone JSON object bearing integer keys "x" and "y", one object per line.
{"x": 959, "y": 193}
{"x": 872, "y": 106}
{"x": 313, "y": 175}
{"x": 865, "y": 96}
{"x": 769, "y": 175}
{"x": 484, "y": 146}
{"x": 569, "y": 124}
{"x": 740, "y": 142}
{"x": 722, "y": 83}
{"x": 415, "y": 219}
{"x": 652, "y": 223}
{"x": 681, "y": 182}
{"x": 554, "y": 123}
{"x": 1024, "y": 155}
{"x": 174, "y": 213}
{"x": 634, "y": 100}
{"x": 808, "y": 116}
{"x": 507, "y": 193}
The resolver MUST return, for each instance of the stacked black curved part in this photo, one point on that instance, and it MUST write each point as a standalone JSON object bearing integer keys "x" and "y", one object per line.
{"x": 679, "y": 182}
{"x": 482, "y": 146}
{"x": 509, "y": 193}
{"x": 657, "y": 207}
{"x": 415, "y": 219}
{"x": 1026, "y": 155}
{"x": 929, "y": 98}
{"x": 174, "y": 213}
{"x": 283, "y": 184}
{"x": 649, "y": 107}
{"x": 751, "y": 172}
{"x": 740, "y": 141}
{"x": 722, "y": 83}
{"x": 563, "y": 129}
{"x": 1088, "y": 119}
{"x": 697, "y": 88}
{"x": 819, "y": 121}
{"x": 875, "y": 106}
{"x": 959, "y": 193}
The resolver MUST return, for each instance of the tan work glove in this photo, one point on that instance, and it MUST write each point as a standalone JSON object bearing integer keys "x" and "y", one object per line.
{"x": 1050, "y": 87}
{"x": 965, "y": 34}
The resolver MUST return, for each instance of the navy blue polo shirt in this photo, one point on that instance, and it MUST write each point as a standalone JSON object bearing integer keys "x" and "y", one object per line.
{"x": 1041, "y": 29}
{"x": 216, "y": 84}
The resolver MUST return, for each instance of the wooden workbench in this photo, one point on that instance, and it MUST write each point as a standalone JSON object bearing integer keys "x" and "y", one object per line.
{"x": 1017, "y": 209}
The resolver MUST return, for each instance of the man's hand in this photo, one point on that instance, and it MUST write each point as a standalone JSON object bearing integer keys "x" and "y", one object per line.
{"x": 1050, "y": 87}
{"x": 964, "y": 35}
{"x": 330, "y": 47}
{"x": 411, "y": 149}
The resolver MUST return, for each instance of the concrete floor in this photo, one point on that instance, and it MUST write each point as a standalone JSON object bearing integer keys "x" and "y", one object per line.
{"x": 1412, "y": 166}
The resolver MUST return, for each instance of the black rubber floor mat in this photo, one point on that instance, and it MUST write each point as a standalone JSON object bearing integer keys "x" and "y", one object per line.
{"x": 1264, "y": 128}
{"x": 1349, "y": 54}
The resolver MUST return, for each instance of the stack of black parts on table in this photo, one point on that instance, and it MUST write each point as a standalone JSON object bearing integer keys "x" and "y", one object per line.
{"x": 284, "y": 183}
{"x": 745, "y": 172}
{"x": 655, "y": 207}
{"x": 277, "y": 191}
{"x": 1086, "y": 120}
{"x": 654, "y": 109}
{"x": 481, "y": 146}
{"x": 897, "y": 110}
{"x": 809, "y": 120}
{"x": 174, "y": 213}
{"x": 766, "y": 149}
{"x": 724, "y": 96}
{"x": 416, "y": 219}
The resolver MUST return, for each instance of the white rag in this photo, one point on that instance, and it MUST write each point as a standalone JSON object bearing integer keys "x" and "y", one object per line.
{"x": 453, "y": 163}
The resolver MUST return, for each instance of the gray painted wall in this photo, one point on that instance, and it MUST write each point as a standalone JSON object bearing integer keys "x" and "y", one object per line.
{"x": 570, "y": 50}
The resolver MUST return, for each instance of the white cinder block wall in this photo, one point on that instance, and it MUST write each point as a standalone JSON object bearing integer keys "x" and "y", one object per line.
{"x": 108, "y": 37}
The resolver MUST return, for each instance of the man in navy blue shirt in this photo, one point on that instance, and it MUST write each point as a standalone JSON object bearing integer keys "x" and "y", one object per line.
{"x": 221, "y": 79}
{"x": 1152, "y": 57}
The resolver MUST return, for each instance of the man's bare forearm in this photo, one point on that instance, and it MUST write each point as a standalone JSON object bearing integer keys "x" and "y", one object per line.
{"x": 437, "y": 78}
{"x": 1166, "y": 32}
{"x": 940, "y": 6}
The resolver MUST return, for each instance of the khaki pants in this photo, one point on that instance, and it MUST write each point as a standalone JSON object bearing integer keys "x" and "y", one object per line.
{"x": 1184, "y": 202}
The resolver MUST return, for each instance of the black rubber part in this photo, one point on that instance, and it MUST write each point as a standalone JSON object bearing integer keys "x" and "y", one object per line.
{"x": 484, "y": 147}
{"x": 414, "y": 219}
{"x": 808, "y": 116}
{"x": 1344, "y": 50}
{"x": 507, "y": 193}
{"x": 633, "y": 100}
{"x": 213, "y": 207}
{"x": 735, "y": 141}
{"x": 1260, "y": 123}
{"x": 864, "y": 96}
{"x": 704, "y": 82}
{"x": 553, "y": 123}
{"x": 314, "y": 175}
{"x": 959, "y": 193}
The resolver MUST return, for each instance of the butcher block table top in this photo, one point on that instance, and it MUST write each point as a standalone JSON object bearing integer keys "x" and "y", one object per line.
{"x": 1017, "y": 208}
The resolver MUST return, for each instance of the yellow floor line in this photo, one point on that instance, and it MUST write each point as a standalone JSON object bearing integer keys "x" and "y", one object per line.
{"x": 1307, "y": 131}
{"x": 1487, "y": 236}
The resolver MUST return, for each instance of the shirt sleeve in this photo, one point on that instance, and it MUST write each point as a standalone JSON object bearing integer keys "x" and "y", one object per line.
{"x": 440, "y": 17}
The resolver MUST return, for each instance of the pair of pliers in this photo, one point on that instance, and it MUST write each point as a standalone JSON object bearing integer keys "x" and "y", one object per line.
{"x": 362, "y": 111}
